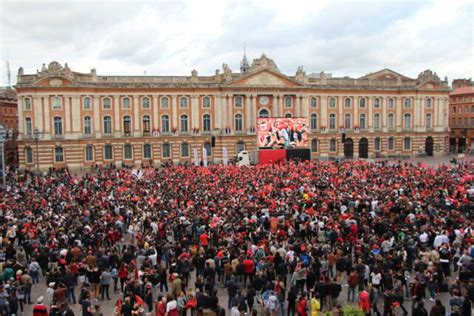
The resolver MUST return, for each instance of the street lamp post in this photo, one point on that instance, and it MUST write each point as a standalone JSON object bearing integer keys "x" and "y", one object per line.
{"x": 3, "y": 136}
{"x": 36, "y": 135}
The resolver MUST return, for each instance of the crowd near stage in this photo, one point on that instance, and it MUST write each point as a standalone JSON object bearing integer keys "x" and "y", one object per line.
{"x": 287, "y": 238}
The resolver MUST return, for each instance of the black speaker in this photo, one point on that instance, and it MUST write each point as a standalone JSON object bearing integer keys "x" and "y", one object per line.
{"x": 213, "y": 141}
{"x": 343, "y": 137}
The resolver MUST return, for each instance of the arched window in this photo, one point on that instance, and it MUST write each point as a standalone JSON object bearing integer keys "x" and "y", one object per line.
{"x": 347, "y": 121}
{"x": 106, "y": 104}
{"x": 391, "y": 103}
{"x": 108, "y": 152}
{"x": 184, "y": 123}
{"x": 288, "y": 101}
{"x": 332, "y": 121}
{"x": 107, "y": 125}
{"x": 362, "y": 103}
{"x": 166, "y": 150}
{"x": 86, "y": 103}
{"x": 314, "y": 145}
{"x": 89, "y": 153}
{"x": 332, "y": 144}
{"x": 238, "y": 101}
{"x": 314, "y": 102}
{"x": 127, "y": 124}
{"x": 29, "y": 155}
{"x": 391, "y": 143}
{"x": 332, "y": 102}
{"x": 347, "y": 102}
{"x": 146, "y": 124}
{"x": 87, "y": 125}
{"x": 146, "y": 103}
{"x": 377, "y": 144}
{"x": 165, "y": 124}
{"x": 184, "y": 150}
{"x": 127, "y": 151}
{"x": 407, "y": 120}
{"x": 377, "y": 103}
{"x": 376, "y": 120}
{"x": 314, "y": 121}
{"x": 288, "y": 115}
{"x": 263, "y": 113}
{"x": 28, "y": 126}
{"x": 240, "y": 146}
{"x": 208, "y": 147}
{"x": 58, "y": 154}
{"x": 183, "y": 102}
{"x": 126, "y": 103}
{"x": 58, "y": 125}
{"x": 206, "y": 102}
{"x": 147, "y": 151}
{"x": 391, "y": 121}
{"x": 164, "y": 102}
{"x": 407, "y": 143}
{"x": 428, "y": 120}
{"x": 362, "y": 124}
{"x": 238, "y": 122}
{"x": 407, "y": 103}
{"x": 206, "y": 123}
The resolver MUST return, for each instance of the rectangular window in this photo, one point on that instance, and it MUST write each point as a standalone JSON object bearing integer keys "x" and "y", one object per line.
{"x": 166, "y": 151}
{"x": 184, "y": 150}
{"x": 147, "y": 151}
{"x": 87, "y": 103}
{"x": 127, "y": 151}
{"x": 107, "y": 103}
{"x": 391, "y": 143}
{"x": 27, "y": 104}
{"x": 332, "y": 145}
{"x": 108, "y": 152}
{"x": 58, "y": 154}
{"x": 28, "y": 126}
{"x": 56, "y": 103}
{"x": 89, "y": 153}
{"x": 407, "y": 143}
{"x": 29, "y": 155}
{"x": 58, "y": 126}
{"x": 126, "y": 103}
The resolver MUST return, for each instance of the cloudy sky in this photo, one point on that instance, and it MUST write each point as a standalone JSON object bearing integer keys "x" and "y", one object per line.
{"x": 173, "y": 37}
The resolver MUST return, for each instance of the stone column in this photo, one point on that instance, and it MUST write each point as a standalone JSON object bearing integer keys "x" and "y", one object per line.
{"x": 224, "y": 111}
{"x": 218, "y": 111}
{"x": 46, "y": 117}
{"x": 384, "y": 114}
{"x": 195, "y": 112}
{"x": 248, "y": 112}
{"x": 230, "y": 104}
{"x": 355, "y": 119}
{"x": 298, "y": 106}
{"x": 116, "y": 115}
{"x": 67, "y": 114}
{"x": 370, "y": 104}
{"x": 156, "y": 119}
{"x": 97, "y": 125}
{"x": 21, "y": 118}
{"x": 254, "y": 111}
{"x": 76, "y": 115}
{"x": 275, "y": 105}
{"x": 398, "y": 110}
{"x": 174, "y": 112}
{"x": 305, "y": 107}
{"x": 324, "y": 111}
{"x": 136, "y": 116}
{"x": 416, "y": 118}
{"x": 340, "y": 115}
{"x": 281, "y": 105}
{"x": 38, "y": 113}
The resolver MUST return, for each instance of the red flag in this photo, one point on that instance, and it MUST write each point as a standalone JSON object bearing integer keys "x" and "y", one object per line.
{"x": 139, "y": 300}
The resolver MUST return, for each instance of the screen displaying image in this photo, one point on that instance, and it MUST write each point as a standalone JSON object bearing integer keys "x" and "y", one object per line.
{"x": 288, "y": 132}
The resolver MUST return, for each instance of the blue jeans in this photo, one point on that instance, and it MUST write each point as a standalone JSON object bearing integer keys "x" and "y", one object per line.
{"x": 71, "y": 297}
{"x": 35, "y": 277}
{"x": 231, "y": 302}
{"x": 28, "y": 294}
{"x": 351, "y": 290}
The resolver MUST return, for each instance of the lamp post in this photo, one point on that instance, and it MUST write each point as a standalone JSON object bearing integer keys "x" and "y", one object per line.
{"x": 3, "y": 136}
{"x": 36, "y": 135}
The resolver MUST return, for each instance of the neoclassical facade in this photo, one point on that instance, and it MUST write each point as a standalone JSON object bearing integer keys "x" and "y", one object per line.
{"x": 86, "y": 119}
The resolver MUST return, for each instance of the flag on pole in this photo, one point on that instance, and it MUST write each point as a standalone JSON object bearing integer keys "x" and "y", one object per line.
{"x": 196, "y": 158}
{"x": 225, "y": 159}
{"x": 204, "y": 156}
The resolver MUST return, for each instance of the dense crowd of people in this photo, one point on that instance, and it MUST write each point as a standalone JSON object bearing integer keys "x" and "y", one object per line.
{"x": 279, "y": 239}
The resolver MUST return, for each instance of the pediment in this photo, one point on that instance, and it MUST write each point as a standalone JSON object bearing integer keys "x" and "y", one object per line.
{"x": 385, "y": 74}
{"x": 54, "y": 81}
{"x": 265, "y": 78}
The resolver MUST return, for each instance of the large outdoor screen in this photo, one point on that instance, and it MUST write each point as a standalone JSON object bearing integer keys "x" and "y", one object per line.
{"x": 287, "y": 132}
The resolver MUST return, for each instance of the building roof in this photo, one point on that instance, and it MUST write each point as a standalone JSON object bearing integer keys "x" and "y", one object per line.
{"x": 463, "y": 90}
{"x": 7, "y": 93}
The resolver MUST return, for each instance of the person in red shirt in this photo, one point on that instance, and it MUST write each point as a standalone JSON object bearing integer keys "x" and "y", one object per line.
{"x": 204, "y": 239}
{"x": 302, "y": 307}
{"x": 249, "y": 270}
{"x": 40, "y": 309}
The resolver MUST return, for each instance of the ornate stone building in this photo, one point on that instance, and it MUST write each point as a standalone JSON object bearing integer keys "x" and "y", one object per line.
{"x": 88, "y": 119}
{"x": 9, "y": 120}
{"x": 461, "y": 114}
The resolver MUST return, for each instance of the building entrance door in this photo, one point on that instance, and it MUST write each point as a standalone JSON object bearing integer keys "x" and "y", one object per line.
{"x": 349, "y": 148}
{"x": 363, "y": 148}
{"x": 429, "y": 146}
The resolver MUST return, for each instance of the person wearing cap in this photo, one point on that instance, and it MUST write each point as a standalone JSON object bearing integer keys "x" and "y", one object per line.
{"x": 40, "y": 309}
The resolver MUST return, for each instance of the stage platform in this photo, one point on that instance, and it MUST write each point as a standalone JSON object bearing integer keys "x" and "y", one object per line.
{"x": 268, "y": 156}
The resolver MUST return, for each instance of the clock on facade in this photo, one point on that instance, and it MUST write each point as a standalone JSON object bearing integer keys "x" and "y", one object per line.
{"x": 263, "y": 100}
